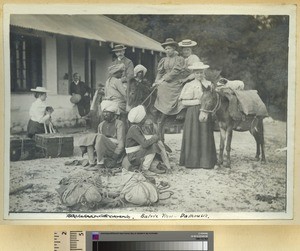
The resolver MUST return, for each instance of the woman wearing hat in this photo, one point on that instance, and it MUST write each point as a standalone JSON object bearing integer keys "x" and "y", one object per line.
{"x": 190, "y": 58}
{"x": 168, "y": 79}
{"x": 37, "y": 113}
{"x": 198, "y": 145}
{"x": 141, "y": 151}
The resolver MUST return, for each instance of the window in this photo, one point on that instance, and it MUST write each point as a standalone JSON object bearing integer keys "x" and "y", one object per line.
{"x": 26, "y": 62}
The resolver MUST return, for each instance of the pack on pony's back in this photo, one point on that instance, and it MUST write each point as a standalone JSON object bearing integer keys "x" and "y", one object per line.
{"x": 139, "y": 191}
{"x": 251, "y": 103}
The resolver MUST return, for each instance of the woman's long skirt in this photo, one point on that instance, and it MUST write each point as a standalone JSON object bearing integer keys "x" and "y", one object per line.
{"x": 34, "y": 127}
{"x": 198, "y": 148}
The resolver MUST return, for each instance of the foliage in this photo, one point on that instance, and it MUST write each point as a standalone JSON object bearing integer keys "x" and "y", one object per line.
{"x": 250, "y": 48}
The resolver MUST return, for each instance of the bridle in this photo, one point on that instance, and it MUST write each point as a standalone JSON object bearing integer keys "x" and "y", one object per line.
{"x": 218, "y": 105}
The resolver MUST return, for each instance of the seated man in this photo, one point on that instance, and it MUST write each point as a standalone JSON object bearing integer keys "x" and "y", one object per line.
{"x": 109, "y": 141}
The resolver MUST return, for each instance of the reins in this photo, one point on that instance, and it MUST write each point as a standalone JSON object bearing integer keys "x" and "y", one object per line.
{"x": 216, "y": 107}
{"x": 149, "y": 96}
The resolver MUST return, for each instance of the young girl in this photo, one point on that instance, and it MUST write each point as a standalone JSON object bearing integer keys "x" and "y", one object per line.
{"x": 198, "y": 145}
{"x": 38, "y": 114}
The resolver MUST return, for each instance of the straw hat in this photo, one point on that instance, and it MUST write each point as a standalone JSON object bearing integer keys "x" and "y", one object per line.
{"x": 75, "y": 98}
{"x": 169, "y": 41}
{"x": 39, "y": 89}
{"x": 198, "y": 66}
{"x": 119, "y": 47}
{"x": 187, "y": 43}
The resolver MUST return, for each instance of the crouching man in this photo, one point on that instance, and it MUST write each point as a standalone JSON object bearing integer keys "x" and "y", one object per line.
{"x": 141, "y": 151}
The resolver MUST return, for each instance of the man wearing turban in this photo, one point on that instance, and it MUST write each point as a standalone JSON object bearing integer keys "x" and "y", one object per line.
{"x": 140, "y": 151}
{"x": 109, "y": 142}
{"x": 115, "y": 90}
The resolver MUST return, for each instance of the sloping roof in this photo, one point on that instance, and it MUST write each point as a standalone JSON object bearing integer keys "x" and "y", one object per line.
{"x": 94, "y": 27}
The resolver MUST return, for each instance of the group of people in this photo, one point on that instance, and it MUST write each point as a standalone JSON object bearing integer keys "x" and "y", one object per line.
{"x": 180, "y": 82}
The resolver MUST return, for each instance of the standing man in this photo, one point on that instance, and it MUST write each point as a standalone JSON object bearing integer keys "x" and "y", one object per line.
{"x": 119, "y": 50}
{"x": 115, "y": 90}
{"x": 77, "y": 88}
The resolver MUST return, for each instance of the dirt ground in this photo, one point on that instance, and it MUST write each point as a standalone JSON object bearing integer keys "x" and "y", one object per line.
{"x": 248, "y": 186}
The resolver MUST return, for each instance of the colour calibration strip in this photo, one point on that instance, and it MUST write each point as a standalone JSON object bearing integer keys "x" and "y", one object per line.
{"x": 133, "y": 241}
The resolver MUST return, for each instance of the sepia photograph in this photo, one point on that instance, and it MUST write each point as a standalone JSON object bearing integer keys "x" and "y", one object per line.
{"x": 149, "y": 114}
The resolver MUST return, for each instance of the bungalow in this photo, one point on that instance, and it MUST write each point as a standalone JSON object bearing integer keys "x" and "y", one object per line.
{"x": 45, "y": 50}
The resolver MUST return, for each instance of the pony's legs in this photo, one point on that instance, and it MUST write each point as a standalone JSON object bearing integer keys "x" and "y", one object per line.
{"x": 258, "y": 134}
{"x": 222, "y": 144}
{"x": 257, "y": 147}
{"x": 160, "y": 124}
{"x": 161, "y": 132}
{"x": 262, "y": 141}
{"x": 229, "y": 132}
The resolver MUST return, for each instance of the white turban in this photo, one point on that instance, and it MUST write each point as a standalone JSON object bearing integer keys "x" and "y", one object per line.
{"x": 109, "y": 106}
{"x": 115, "y": 68}
{"x": 137, "y": 114}
{"x": 139, "y": 68}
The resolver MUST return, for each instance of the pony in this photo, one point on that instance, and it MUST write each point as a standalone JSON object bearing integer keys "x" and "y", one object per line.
{"x": 215, "y": 102}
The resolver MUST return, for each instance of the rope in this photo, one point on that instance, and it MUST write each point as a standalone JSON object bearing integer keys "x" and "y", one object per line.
{"x": 149, "y": 95}
{"x": 60, "y": 142}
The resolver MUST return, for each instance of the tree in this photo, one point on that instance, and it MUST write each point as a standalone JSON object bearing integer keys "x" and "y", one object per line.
{"x": 246, "y": 47}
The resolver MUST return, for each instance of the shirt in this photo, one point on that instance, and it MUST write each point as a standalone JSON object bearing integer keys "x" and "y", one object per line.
{"x": 115, "y": 131}
{"x": 37, "y": 110}
{"x": 115, "y": 91}
{"x": 128, "y": 72}
{"x": 192, "y": 92}
{"x": 79, "y": 88}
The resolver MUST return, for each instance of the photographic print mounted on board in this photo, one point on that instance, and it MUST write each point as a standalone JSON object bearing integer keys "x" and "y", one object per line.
{"x": 165, "y": 112}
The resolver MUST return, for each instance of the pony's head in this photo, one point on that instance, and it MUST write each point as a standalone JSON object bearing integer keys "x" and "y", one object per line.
{"x": 209, "y": 103}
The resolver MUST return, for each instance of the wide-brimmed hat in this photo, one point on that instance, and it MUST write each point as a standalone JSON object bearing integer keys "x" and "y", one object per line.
{"x": 198, "y": 66}
{"x": 169, "y": 41}
{"x": 187, "y": 43}
{"x": 119, "y": 47}
{"x": 39, "y": 89}
{"x": 75, "y": 98}
{"x": 139, "y": 68}
{"x": 115, "y": 68}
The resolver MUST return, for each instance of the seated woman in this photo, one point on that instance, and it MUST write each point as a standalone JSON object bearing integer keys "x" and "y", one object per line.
{"x": 198, "y": 145}
{"x": 37, "y": 113}
{"x": 141, "y": 151}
